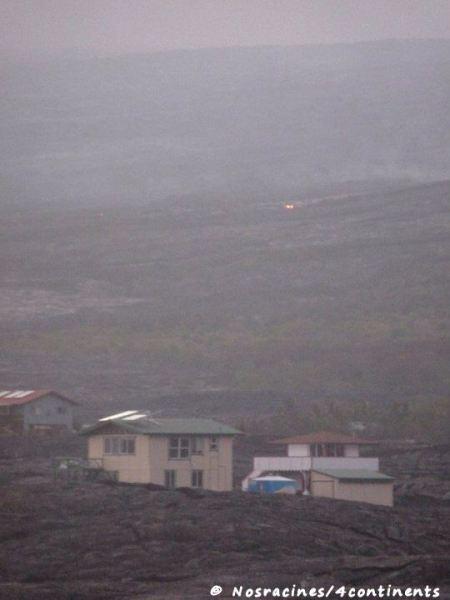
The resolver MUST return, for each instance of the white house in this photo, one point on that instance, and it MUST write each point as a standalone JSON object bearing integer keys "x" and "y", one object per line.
{"x": 313, "y": 458}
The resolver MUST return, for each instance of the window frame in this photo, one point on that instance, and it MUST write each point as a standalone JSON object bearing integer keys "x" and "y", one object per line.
{"x": 328, "y": 450}
{"x": 179, "y": 447}
{"x": 197, "y": 445}
{"x": 119, "y": 445}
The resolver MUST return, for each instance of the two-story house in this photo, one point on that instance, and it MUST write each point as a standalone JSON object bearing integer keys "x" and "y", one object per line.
{"x": 328, "y": 464}
{"x": 170, "y": 452}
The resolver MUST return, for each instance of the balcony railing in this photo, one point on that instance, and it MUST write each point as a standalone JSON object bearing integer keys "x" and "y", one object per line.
{"x": 345, "y": 462}
{"x": 305, "y": 463}
{"x": 282, "y": 463}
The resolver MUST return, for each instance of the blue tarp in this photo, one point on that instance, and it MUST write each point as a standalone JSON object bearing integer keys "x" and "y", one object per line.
{"x": 273, "y": 485}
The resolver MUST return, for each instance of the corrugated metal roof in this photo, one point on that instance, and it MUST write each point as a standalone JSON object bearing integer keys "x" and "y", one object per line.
{"x": 355, "y": 475}
{"x": 156, "y": 426}
{"x": 17, "y": 397}
{"x": 324, "y": 437}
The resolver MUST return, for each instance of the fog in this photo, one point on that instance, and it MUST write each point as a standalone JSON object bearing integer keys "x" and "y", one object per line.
{"x": 224, "y": 122}
{"x": 197, "y": 278}
{"x": 54, "y": 27}
{"x": 116, "y": 102}
{"x": 234, "y": 213}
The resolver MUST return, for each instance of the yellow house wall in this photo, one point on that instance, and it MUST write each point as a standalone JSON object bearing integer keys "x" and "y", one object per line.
{"x": 132, "y": 468}
{"x": 351, "y": 450}
{"x": 151, "y": 461}
{"x": 322, "y": 485}
{"x": 374, "y": 493}
{"x": 217, "y": 466}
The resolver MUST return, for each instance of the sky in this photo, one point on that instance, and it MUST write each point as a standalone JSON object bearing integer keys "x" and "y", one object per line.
{"x": 102, "y": 27}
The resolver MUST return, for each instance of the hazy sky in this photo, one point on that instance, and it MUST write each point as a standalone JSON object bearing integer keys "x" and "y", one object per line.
{"x": 117, "y": 26}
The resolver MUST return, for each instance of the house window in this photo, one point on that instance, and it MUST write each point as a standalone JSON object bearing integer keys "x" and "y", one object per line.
{"x": 62, "y": 410}
{"x": 330, "y": 450}
{"x": 214, "y": 444}
{"x": 318, "y": 450}
{"x": 197, "y": 479}
{"x": 119, "y": 445}
{"x": 127, "y": 446}
{"x": 327, "y": 450}
{"x": 197, "y": 444}
{"x": 170, "y": 479}
{"x": 4, "y": 410}
{"x": 179, "y": 447}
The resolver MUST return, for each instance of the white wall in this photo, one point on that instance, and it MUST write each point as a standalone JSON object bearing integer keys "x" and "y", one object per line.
{"x": 351, "y": 450}
{"x": 331, "y": 462}
{"x": 298, "y": 450}
{"x": 281, "y": 463}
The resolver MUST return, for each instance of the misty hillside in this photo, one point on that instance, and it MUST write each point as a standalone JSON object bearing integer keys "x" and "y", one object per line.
{"x": 344, "y": 297}
{"x": 224, "y": 122}
{"x": 146, "y": 252}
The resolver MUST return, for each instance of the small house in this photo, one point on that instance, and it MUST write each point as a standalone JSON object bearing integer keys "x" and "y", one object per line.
{"x": 170, "y": 452}
{"x": 359, "y": 485}
{"x": 35, "y": 411}
{"x": 331, "y": 455}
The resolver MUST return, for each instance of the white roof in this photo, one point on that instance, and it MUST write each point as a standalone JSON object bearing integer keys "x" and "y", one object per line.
{"x": 15, "y": 393}
{"x": 119, "y": 415}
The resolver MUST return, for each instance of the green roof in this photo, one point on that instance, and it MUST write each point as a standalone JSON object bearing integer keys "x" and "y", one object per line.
{"x": 155, "y": 426}
{"x": 355, "y": 475}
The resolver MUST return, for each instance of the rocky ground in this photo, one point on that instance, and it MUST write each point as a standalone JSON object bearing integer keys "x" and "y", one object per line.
{"x": 80, "y": 541}
{"x": 186, "y": 305}
{"x": 422, "y": 472}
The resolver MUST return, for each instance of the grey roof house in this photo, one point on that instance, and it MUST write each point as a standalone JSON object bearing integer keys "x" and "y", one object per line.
{"x": 35, "y": 411}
